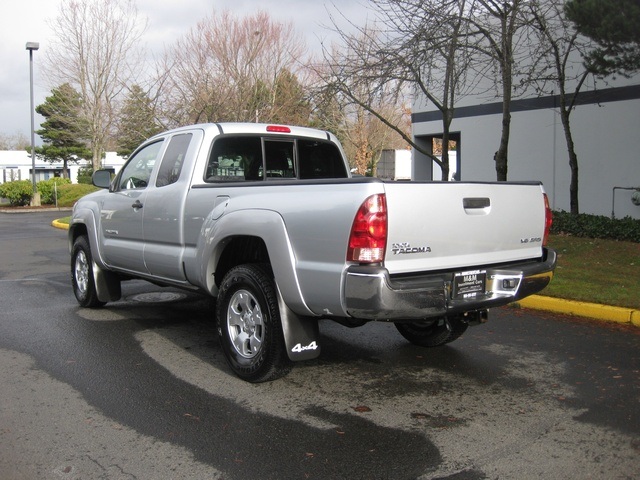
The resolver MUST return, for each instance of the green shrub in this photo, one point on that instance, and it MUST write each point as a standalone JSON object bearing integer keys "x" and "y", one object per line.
{"x": 47, "y": 189}
{"x": 596, "y": 226}
{"x": 84, "y": 174}
{"x": 18, "y": 192}
{"x": 68, "y": 195}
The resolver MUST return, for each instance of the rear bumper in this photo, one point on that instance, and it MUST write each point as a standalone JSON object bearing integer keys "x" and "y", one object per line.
{"x": 372, "y": 294}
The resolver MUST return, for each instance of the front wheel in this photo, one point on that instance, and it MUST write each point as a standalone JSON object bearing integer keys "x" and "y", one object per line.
{"x": 433, "y": 334}
{"x": 84, "y": 287}
{"x": 249, "y": 324}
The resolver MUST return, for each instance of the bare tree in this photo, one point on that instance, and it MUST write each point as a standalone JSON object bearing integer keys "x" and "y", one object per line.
{"x": 368, "y": 136}
{"x": 234, "y": 69}
{"x": 413, "y": 47}
{"x": 498, "y": 22}
{"x": 94, "y": 50}
{"x": 16, "y": 141}
{"x": 364, "y": 136}
{"x": 562, "y": 69}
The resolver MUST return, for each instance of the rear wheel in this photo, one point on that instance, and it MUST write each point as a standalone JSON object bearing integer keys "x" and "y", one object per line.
{"x": 458, "y": 327}
{"x": 249, "y": 324}
{"x": 432, "y": 334}
{"x": 84, "y": 287}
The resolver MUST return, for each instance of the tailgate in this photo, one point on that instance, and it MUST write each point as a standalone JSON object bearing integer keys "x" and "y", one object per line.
{"x": 440, "y": 226}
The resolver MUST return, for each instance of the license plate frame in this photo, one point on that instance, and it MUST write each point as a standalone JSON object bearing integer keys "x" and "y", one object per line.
{"x": 469, "y": 284}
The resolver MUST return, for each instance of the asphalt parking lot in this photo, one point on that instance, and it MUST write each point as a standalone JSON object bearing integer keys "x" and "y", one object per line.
{"x": 140, "y": 389}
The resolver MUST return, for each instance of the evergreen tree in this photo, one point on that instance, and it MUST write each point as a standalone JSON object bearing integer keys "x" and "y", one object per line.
{"x": 615, "y": 26}
{"x": 137, "y": 121}
{"x": 290, "y": 102}
{"x": 63, "y": 132}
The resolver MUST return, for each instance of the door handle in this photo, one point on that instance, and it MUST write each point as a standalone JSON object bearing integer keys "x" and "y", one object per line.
{"x": 137, "y": 204}
{"x": 472, "y": 202}
{"x": 476, "y": 205}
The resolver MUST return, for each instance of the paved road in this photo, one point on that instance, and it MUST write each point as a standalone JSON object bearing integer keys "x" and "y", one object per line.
{"x": 140, "y": 389}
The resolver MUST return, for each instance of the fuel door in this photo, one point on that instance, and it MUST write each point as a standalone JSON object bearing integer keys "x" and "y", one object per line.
{"x": 219, "y": 206}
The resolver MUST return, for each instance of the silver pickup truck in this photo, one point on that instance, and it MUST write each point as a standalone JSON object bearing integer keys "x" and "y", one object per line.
{"x": 268, "y": 220}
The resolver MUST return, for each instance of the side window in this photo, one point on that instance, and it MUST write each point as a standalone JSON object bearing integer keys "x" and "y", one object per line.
{"x": 137, "y": 171}
{"x": 235, "y": 159}
{"x": 171, "y": 165}
{"x": 279, "y": 159}
{"x": 318, "y": 159}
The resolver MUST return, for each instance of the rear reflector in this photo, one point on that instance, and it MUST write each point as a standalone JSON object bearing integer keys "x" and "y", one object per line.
{"x": 368, "y": 239}
{"x": 278, "y": 129}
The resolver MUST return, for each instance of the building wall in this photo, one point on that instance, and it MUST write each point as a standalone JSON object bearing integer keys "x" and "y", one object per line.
{"x": 606, "y": 134}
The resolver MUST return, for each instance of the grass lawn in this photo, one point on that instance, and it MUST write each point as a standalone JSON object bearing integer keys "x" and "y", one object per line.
{"x": 597, "y": 271}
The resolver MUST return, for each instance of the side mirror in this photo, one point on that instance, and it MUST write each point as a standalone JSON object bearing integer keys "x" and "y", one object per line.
{"x": 101, "y": 178}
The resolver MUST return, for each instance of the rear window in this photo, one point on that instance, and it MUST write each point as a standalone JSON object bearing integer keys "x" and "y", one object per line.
{"x": 320, "y": 160}
{"x": 242, "y": 158}
{"x": 171, "y": 166}
{"x": 235, "y": 159}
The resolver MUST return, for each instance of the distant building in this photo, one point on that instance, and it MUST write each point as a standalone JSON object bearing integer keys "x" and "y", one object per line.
{"x": 17, "y": 165}
{"x": 394, "y": 165}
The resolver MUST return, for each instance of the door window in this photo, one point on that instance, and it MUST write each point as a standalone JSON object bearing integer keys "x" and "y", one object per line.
{"x": 137, "y": 171}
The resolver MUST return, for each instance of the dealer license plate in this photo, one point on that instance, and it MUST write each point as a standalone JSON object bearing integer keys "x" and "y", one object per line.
{"x": 469, "y": 284}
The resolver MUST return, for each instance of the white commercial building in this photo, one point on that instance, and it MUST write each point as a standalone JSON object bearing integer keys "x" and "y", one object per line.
{"x": 606, "y": 131}
{"x": 17, "y": 165}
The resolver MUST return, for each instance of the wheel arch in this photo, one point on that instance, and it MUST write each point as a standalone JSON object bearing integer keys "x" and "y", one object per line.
{"x": 234, "y": 251}
{"x": 251, "y": 236}
{"x": 107, "y": 283}
{"x": 76, "y": 230}
{"x": 83, "y": 222}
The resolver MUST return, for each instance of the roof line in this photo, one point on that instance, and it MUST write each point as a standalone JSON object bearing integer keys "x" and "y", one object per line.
{"x": 606, "y": 95}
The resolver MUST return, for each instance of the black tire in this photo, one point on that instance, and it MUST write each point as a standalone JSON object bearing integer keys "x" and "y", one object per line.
{"x": 458, "y": 327}
{"x": 432, "y": 333}
{"x": 84, "y": 287}
{"x": 249, "y": 324}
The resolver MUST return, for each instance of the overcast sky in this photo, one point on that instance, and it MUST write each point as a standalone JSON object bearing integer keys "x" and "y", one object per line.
{"x": 25, "y": 21}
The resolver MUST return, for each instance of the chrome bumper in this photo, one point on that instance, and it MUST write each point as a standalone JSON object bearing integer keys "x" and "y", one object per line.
{"x": 370, "y": 292}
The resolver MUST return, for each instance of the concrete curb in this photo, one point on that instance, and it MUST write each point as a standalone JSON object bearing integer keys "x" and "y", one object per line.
{"x": 627, "y": 316}
{"x": 17, "y": 211}
{"x": 60, "y": 225}
{"x": 607, "y": 313}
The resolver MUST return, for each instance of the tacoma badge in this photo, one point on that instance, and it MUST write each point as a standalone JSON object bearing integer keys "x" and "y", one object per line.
{"x": 404, "y": 247}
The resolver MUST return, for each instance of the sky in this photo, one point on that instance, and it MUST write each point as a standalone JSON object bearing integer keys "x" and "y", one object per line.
{"x": 28, "y": 21}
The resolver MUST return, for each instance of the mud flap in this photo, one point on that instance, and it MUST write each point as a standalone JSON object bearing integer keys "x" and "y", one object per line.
{"x": 300, "y": 333}
{"x": 107, "y": 285}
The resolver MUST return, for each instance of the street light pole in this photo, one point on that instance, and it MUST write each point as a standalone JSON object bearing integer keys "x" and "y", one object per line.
{"x": 35, "y": 200}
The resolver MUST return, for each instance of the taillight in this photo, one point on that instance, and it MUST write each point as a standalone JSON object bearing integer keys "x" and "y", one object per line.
{"x": 368, "y": 239}
{"x": 548, "y": 220}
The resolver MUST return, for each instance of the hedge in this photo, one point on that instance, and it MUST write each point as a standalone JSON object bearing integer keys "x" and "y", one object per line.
{"x": 47, "y": 189}
{"x": 18, "y": 192}
{"x": 596, "y": 226}
{"x": 69, "y": 194}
